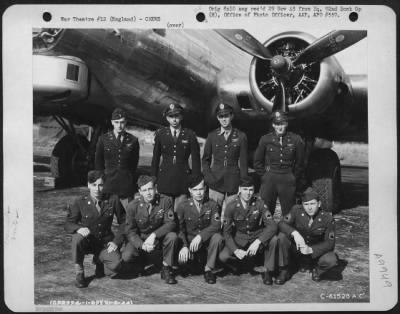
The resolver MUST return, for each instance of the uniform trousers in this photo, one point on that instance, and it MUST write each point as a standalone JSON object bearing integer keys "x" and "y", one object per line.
{"x": 278, "y": 184}
{"x": 90, "y": 245}
{"x": 287, "y": 253}
{"x": 168, "y": 245}
{"x": 222, "y": 199}
{"x": 211, "y": 248}
{"x": 269, "y": 251}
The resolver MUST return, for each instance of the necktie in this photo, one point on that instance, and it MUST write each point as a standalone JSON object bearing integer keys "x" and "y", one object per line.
{"x": 175, "y": 134}
{"x": 150, "y": 208}
{"x": 198, "y": 205}
{"x": 310, "y": 222}
{"x": 98, "y": 206}
{"x": 226, "y": 135}
{"x": 119, "y": 137}
{"x": 280, "y": 140}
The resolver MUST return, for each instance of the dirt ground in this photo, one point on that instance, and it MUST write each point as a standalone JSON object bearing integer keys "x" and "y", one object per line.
{"x": 54, "y": 272}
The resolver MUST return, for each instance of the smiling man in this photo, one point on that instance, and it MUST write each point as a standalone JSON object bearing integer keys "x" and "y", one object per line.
{"x": 279, "y": 161}
{"x": 249, "y": 230}
{"x": 309, "y": 233}
{"x": 150, "y": 226}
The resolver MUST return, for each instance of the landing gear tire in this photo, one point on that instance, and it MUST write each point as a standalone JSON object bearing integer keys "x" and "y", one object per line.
{"x": 68, "y": 163}
{"x": 325, "y": 174}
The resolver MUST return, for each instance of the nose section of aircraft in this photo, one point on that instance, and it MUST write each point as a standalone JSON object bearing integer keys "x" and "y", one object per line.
{"x": 45, "y": 38}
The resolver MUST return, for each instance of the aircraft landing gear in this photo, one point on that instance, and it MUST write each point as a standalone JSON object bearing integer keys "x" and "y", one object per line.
{"x": 70, "y": 159}
{"x": 69, "y": 163}
{"x": 324, "y": 173}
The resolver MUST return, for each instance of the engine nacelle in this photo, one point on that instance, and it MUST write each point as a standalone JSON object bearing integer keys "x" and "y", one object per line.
{"x": 59, "y": 78}
{"x": 311, "y": 87}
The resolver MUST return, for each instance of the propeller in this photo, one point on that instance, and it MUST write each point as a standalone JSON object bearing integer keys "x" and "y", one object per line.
{"x": 243, "y": 40}
{"x": 280, "y": 100}
{"x": 328, "y": 45}
{"x": 284, "y": 67}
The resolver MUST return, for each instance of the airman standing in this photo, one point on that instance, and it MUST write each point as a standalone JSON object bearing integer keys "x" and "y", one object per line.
{"x": 279, "y": 161}
{"x": 225, "y": 158}
{"x": 174, "y": 145}
{"x": 117, "y": 154}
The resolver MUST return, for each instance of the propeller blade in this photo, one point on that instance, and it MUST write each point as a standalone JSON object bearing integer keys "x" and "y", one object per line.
{"x": 328, "y": 45}
{"x": 243, "y": 40}
{"x": 280, "y": 100}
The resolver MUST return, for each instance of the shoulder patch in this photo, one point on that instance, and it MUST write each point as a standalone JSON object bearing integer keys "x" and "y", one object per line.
{"x": 217, "y": 217}
{"x": 331, "y": 235}
{"x": 170, "y": 214}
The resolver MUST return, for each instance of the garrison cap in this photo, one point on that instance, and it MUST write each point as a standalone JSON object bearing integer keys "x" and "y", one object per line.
{"x": 173, "y": 109}
{"x": 195, "y": 180}
{"x": 118, "y": 114}
{"x": 246, "y": 181}
{"x": 144, "y": 179}
{"x": 309, "y": 195}
{"x": 279, "y": 116}
{"x": 223, "y": 109}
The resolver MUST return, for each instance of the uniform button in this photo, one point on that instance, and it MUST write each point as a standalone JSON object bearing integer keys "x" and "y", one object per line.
{"x": 99, "y": 225}
{"x": 281, "y": 155}
{"x": 281, "y": 160}
{"x": 225, "y": 151}
{"x": 226, "y": 145}
{"x": 174, "y": 145}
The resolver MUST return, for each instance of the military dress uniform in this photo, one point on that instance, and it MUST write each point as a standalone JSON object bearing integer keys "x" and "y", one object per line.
{"x": 225, "y": 160}
{"x": 243, "y": 226}
{"x": 119, "y": 160}
{"x": 172, "y": 174}
{"x": 279, "y": 161}
{"x": 205, "y": 222}
{"x": 319, "y": 234}
{"x": 143, "y": 219}
{"x": 98, "y": 218}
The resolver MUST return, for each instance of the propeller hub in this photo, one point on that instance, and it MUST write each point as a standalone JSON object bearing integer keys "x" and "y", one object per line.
{"x": 280, "y": 65}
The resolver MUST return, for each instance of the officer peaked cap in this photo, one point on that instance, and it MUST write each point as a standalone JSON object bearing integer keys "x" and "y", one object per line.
{"x": 309, "y": 195}
{"x": 144, "y": 179}
{"x": 195, "y": 180}
{"x": 173, "y": 109}
{"x": 246, "y": 181}
{"x": 118, "y": 114}
{"x": 279, "y": 116}
{"x": 223, "y": 109}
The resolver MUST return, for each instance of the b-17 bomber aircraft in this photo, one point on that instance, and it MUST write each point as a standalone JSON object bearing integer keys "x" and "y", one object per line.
{"x": 81, "y": 75}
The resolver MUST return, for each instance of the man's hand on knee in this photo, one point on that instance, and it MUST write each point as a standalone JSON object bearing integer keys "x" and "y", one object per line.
{"x": 84, "y": 232}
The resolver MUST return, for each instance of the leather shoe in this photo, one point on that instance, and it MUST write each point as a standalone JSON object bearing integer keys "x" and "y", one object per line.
{"x": 267, "y": 279}
{"x": 99, "y": 272}
{"x": 167, "y": 274}
{"x": 209, "y": 277}
{"x": 282, "y": 277}
{"x": 80, "y": 280}
{"x": 303, "y": 269}
{"x": 316, "y": 274}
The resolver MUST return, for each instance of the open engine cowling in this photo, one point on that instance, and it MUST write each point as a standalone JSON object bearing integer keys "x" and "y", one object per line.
{"x": 312, "y": 87}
